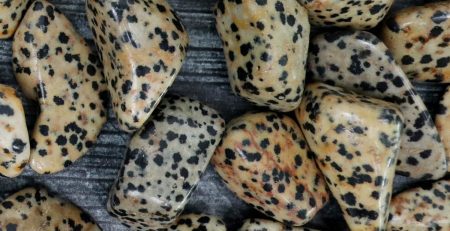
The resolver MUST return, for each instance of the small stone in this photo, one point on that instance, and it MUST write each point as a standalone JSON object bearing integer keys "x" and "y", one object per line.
{"x": 443, "y": 125}
{"x": 422, "y": 208}
{"x": 55, "y": 66}
{"x": 142, "y": 45}
{"x": 164, "y": 163}
{"x": 418, "y": 37}
{"x": 356, "y": 140}
{"x": 255, "y": 224}
{"x": 264, "y": 159}
{"x": 360, "y": 15}
{"x": 360, "y": 62}
{"x": 14, "y": 142}
{"x": 11, "y": 12}
{"x": 191, "y": 222}
{"x": 265, "y": 45}
{"x": 36, "y": 209}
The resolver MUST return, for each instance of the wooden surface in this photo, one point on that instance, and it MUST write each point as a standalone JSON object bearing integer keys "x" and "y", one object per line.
{"x": 203, "y": 77}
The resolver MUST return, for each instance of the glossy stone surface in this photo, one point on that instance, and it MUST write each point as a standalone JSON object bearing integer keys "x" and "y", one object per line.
{"x": 265, "y": 46}
{"x": 142, "y": 45}
{"x": 14, "y": 142}
{"x": 54, "y": 65}
{"x": 360, "y": 62}
{"x": 356, "y": 140}
{"x": 418, "y": 37}
{"x": 422, "y": 208}
{"x": 443, "y": 123}
{"x": 264, "y": 159}
{"x": 360, "y": 15}
{"x": 164, "y": 162}
{"x": 11, "y": 12}
{"x": 192, "y": 222}
{"x": 268, "y": 225}
{"x": 36, "y": 209}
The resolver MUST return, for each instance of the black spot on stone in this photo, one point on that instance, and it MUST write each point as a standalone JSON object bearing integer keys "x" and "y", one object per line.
{"x": 439, "y": 17}
{"x": 63, "y": 38}
{"x": 407, "y": 60}
{"x": 349, "y": 198}
{"x": 142, "y": 70}
{"x": 43, "y": 52}
{"x": 261, "y": 2}
{"x": 375, "y": 9}
{"x": 18, "y": 145}
{"x": 6, "y": 110}
{"x": 58, "y": 101}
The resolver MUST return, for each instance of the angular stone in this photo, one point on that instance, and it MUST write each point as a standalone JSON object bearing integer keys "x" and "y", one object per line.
{"x": 11, "y": 12}
{"x": 443, "y": 123}
{"x": 164, "y": 163}
{"x": 36, "y": 209}
{"x": 264, "y": 159}
{"x": 191, "y": 222}
{"x": 418, "y": 38}
{"x": 54, "y": 65}
{"x": 14, "y": 142}
{"x": 356, "y": 140}
{"x": 360, "y": 15}
{"x": 142, "y": 45}
{"x": 422, "y": 208}
{"x": 265, "y": 45}
{"x": 360, "y": 62}
{"x": 255, "y": 224}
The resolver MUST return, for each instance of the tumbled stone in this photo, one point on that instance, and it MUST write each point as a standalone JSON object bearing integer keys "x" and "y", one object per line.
{"x": 142, "y": 45}
{"x": 265, "y": 45}
{"x": 360, "y": 62}
{"x": 11, "y": 12}
{"x": 14, "y": 142}
{"x": 194, "y": 222}
{"x": 347, "y": 13}
{"x": 164, "y": 163}
{"x": 418, "y": 38}
{"x": 443, "y": 123}
{"x": 422, "y": 208}
{"x": 356, "y": 140}
{"x": 54, "y": 65}
{"x": 264, "y": 159}
{"x": 36, "y": 209}
{"x": 255, "y": 224}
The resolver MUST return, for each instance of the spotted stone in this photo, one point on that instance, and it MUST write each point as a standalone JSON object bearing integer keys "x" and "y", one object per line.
{"x": 11, "y": 12}
{"x": 264, "y": 159}
{"x": 255, "y": 224}
{"x": 443, "y": 125}
{"x": 418, "y": 37}
{"x": 422, "y": 208}
{"x": 14, "y": 143}
{"x": 360, "y": 62}
{"x": 142, "y": 45}
{"x": 164, "y": 163}
{"x": 37, "y": 209}
{"x": 54, "y": 65}
{"x": 191, "y": 222}
{"x": 356, "y": 140}
{"x": 265, "y": 45}
{"x": 347, "y": 13}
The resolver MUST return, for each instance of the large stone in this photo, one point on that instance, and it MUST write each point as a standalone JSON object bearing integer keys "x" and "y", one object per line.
{"x": 264, "y": 159}
{"x": 142, "y": 45}
{"x": 36, "y": 209}
{"x": 418, "y": 37}
{"x": 14, "y": 142}
{"x": 360, "y": 62}
{"x": 164, "y": 163}
{"x": 356, "y": 140}
{"x": 55, "y": 66}
{"x": 11, "y": 12}
{"x": 443, "y": 123}
{"x": 265, "y": 45}
{"x": 422, "y": 208}
{"x": 359, "y": 14}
